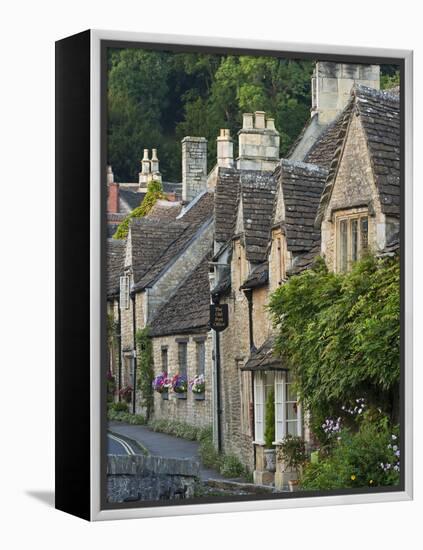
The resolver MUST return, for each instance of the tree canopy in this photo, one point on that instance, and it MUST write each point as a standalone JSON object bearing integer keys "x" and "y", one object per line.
{"x": 155, "y": 98}
{"x": 340, "y": 335}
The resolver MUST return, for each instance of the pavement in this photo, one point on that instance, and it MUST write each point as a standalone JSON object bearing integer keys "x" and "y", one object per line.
{"x": 159, "y": 444}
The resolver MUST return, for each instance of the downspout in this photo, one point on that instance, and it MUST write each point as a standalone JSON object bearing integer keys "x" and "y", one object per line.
{"x": 218, "y": 384}
{"x": 249, "y": 295}
{"x": 119, "y": 339}
{"x": 134, "y": 344}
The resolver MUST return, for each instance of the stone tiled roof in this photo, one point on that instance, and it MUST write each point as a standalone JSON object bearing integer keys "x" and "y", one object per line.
{"x": 257, "y": 196}
{"x": 128, "y": 199}
{"x": 188, "y": 310}
{"x": 165, "y": 210}
{"x": 259, "y": 276}
{"x": 150, "y": 240}
{"x": 304, "y": 261}
{"x": 115, "y": 257}
{"x": 189, "y": 222}
{"x": 302, "y": 185}
{"x": 224, "y": 284}
{"x": 264, "y": 358}
{"x": 379, "y": 112}
{"x": 323, "y": 150}
{"x": 226, "y": 200}
{"x": 392, "y": 247}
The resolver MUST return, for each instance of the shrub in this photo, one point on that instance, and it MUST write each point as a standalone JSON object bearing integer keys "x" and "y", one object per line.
{"x": 178, "y": 429}
{"x": 119, "y": 406}
{"x": 368, "y": 457}
{"x": 145, "y": 367}
{"x": 339, "y": 333}
{"x": 208, "y": 454}
{"x": 292, "y": 452}
{"x": 231, "y": 467}
{"x": 269, "y": 432}
{"x": 122, "y": 416}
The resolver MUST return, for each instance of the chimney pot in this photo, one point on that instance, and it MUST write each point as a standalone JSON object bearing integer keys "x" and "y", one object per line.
{"x": 260, "y": 121}
{"x": 270, "y": 124}
{"x": 109, "y": 174}
{"x": 247, "y": 121}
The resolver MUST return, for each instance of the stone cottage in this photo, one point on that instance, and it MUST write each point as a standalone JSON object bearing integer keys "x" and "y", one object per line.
{"x": 161, "y": 250}
{"x": 182, "y": 345}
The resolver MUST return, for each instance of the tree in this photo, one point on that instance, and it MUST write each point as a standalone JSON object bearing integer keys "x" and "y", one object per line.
{"x": 340, "y": 336}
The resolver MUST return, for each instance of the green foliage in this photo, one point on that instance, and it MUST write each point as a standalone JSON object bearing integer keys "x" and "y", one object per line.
{"x": 154, "y": 193}
{"x": 388, "y": 81}
{"x": 178, "y": 429}
{"x": 340, "y": 335}
{"x": 145, "y": 366}
{"x": 207, "y": 451}
{"x": 120, "y": 406}
{"x": 232, "y": 467}
{"x": 292, "y": 452}
{"x": 122, "y": 416}
{"x": 269, "y": 432}
{"x": 366, "y": 458}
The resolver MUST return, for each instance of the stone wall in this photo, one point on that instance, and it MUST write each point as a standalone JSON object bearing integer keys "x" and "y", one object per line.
{"x": 138, "y": 477}
{"x": 194, "y": 167}
{"x": 354, "y": 191}
{"x": 197, "y": 412}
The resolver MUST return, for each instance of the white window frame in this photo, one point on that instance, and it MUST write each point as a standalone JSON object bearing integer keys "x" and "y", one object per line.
{"x": 124, "y": 292}
{"x": 259, "y": 408}
{"x": 281, "y": 422}
{"x": 348, "y": 218}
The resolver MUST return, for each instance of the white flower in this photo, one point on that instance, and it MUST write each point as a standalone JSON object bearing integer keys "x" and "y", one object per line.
{"x": 394, "y": 437}
{"x": 395, "y": 448}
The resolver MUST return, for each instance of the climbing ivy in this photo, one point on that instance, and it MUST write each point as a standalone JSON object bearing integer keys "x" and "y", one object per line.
{"x": 154, "y": 193}
{"x": 145, "y": 366}
{"x": 340, "y": 335}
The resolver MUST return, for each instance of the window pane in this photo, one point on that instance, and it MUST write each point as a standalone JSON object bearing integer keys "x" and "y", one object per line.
{"x": 343, "y": 245}
{"x": 201, "y": 352}
{"x": 291, "y": 427}
{"x": 164, "y": 360}
{"x": 364, "y": 237}
{"x": 291, "y": 411}
{"x": 354, "y": 240}
{"x": 290, "y": 393}
{"x": 182, "y": 357}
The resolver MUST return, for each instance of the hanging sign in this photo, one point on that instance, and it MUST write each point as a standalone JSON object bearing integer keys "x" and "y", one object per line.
{"x": 218, "y": 317}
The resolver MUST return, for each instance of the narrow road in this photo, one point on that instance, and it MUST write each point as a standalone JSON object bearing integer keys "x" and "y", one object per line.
{"x": 159, "y": 444}
{"x": 118, "y": 446}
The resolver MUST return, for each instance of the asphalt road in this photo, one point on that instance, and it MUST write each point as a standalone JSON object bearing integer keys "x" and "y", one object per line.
{"x": 118, "y": 446}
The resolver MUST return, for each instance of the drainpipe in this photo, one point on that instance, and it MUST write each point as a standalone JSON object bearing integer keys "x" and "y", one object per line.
{"x": 218, "y": 384}
{"x": 134, "y": 344}
{"x": 249, "y": 295}
{"x": 119, "y": 339}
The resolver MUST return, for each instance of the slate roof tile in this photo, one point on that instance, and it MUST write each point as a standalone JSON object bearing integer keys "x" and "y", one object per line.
{"x": 115, "y": 258}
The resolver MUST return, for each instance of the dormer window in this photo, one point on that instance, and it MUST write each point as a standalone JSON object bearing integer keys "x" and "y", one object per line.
{"x": 124, "y": 292}
{"x": 351, "y": 239}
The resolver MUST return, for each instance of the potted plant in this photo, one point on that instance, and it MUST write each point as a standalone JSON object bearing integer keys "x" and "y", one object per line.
{"x": 126, "y": 393}
{"x": 198, "y": 387}
{"x": 180, "y": 386}
{"x": 161, "y": 384}
{"x": 293, "y": 454}
{"x": 269, "y": 433}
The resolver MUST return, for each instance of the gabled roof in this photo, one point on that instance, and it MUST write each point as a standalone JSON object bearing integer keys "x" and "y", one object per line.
{"x": 302, "y": 185}
{"x": 188, "y": 310}
{"x": 257, "y": 190}
{"x": 128, "y": 199}
{"x": 185, "y": 227}
{"x": 165, "y": 210}
{"x": 323, "y": 150}
{"x": 379, "y": 112}
{"x": 115, "y": 258}
{"x": 150, "y": 239}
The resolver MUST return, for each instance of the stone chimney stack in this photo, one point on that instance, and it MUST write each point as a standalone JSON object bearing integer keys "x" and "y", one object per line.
{"x": 194, "y": 167}
{"x": 258, "y": 143}
{"x": 112, "y": 193}
{"x": 331, "y": 85}
{"x": 145, "y": 170}
{"x": 154, "y": 167}
{"x": 225, "y": 149}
